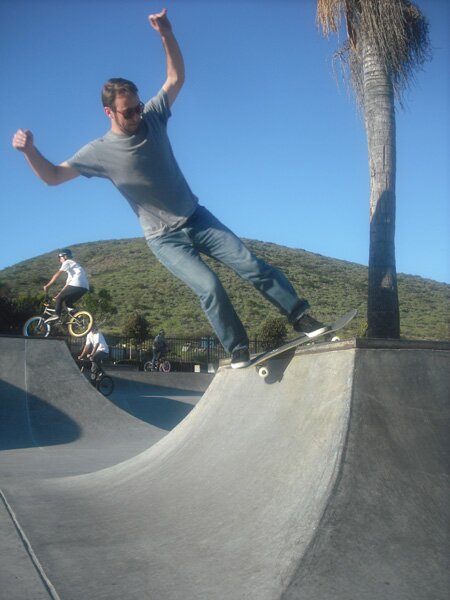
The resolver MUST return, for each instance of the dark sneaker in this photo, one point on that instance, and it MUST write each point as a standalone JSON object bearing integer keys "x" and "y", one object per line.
{"x": 52, "y": 319}
{"x": 240, "y": 358}
{"x": 309, "y": 326}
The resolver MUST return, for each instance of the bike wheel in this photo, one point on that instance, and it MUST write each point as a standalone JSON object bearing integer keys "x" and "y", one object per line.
{"x": 36, "y": 327}
{"x": 105, "y": 385}
{"x": 165, "y": 366}
{"x": 148, "y": 366}
{"x": 80, "y": 323}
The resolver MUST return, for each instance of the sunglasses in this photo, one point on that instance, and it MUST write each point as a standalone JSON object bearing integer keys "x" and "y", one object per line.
{"x": 130, "y": 112}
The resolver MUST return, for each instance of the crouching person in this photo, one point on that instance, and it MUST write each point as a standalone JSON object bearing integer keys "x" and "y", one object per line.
{"x": 96, "y": 349}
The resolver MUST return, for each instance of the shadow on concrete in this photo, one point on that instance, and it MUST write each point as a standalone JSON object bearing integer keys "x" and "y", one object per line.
{"x": 27, "y": 421}
{"x": 157, "y": 405}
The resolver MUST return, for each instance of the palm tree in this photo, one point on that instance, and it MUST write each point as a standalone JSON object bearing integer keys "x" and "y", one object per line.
{"x": 386, "y": 41}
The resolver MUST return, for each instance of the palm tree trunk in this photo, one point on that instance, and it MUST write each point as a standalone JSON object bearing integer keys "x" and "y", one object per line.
{"x": 383, "y": 310}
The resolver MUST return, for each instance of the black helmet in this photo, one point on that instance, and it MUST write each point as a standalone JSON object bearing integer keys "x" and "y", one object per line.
{"x": 65, "y": 252}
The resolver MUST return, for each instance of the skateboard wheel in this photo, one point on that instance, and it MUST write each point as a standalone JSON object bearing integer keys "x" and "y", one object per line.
{"x": 263, "y": 372}
{"x": 335, "y": 339}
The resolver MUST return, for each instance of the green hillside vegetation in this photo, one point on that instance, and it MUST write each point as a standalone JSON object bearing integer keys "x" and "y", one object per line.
{"x": 137, "y": 282}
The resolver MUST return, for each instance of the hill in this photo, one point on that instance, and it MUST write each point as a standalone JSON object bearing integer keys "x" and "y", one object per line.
{"x": 136, "y": 281}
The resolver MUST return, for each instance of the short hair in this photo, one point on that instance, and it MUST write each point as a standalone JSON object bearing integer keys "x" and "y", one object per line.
{"x": 117, "y": 87}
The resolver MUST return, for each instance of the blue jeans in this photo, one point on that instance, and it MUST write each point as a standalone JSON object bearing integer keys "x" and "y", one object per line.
{"x": 180, "y": 250}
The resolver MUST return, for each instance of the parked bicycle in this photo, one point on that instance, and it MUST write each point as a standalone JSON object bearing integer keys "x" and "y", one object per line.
{"x": 78, "y": 322}
{"x": 162, "y": 364}
{"x": 103, "y": 382}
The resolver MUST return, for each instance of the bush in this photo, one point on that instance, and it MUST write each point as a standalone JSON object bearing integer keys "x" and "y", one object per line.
{"x": 15, "y": 311}
{"x": 273, "y": 331}
{"x": 100, "y": 305}
{"x": 137, "y": 328}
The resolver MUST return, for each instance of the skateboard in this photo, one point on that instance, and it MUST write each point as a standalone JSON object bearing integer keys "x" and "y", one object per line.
{"x": 260, "y": 360}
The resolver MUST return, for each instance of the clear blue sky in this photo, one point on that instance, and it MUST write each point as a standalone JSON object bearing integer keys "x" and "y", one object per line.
{"x": 264, "y": 135}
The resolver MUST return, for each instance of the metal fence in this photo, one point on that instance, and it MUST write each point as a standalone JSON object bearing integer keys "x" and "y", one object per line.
{"x": 183, "y": 352}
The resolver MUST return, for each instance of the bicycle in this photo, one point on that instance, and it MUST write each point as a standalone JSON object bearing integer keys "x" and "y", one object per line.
{"x": 79, "y": 322}
{"x": 162, "y": 364}
{"x": 103, "y": 382}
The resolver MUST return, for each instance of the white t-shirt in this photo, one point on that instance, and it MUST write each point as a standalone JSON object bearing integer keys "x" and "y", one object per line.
{"x": 97, "y": 338}
{"x": 76, "y": 275}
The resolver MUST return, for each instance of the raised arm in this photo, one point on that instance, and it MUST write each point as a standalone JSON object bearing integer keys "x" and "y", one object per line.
{"x": 174, "y": 58}
{"x": 49, "y": 173}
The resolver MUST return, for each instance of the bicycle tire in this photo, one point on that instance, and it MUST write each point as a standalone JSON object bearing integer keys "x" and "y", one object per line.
{"x": 36, "y": 327}
{"x": 81, "y": 323}
{"x": 165, "y": 366}
{"x": 148, "y": 366}
{"x": 105, "y": 385}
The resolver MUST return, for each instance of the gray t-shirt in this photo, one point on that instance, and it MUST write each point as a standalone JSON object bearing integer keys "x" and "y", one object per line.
{"x": 143, "y": 168}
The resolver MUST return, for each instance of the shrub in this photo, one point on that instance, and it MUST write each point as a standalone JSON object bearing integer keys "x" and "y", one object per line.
{"x": 273, "y": 331}
{"x": 137, "y": 328}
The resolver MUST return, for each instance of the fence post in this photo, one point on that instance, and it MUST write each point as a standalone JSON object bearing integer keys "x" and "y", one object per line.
{"x": 208, "y": 351}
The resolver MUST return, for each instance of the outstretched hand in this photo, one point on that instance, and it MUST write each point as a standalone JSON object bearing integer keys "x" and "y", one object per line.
{"x": 160, "y": 22}
{"x": 23, "y": 140}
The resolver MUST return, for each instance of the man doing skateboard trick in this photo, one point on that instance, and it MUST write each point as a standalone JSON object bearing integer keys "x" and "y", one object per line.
{"x": 136, "y": 156}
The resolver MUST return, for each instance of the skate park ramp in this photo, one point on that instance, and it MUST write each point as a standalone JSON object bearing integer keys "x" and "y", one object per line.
{"x": 162, "y": 400}
{"x": 328, "y": 480}
{"x": 47, "y": 403}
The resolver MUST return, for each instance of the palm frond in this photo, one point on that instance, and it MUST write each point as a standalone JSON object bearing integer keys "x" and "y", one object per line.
{"x": 329, "y": 15}
{"x": 396, "y": 29}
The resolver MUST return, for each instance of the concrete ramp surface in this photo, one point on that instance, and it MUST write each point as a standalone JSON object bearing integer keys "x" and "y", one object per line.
{"x": 329, "y": 481}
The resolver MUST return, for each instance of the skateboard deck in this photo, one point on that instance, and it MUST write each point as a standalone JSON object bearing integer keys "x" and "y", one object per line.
{"x": 260, "y": 360}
